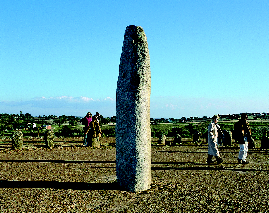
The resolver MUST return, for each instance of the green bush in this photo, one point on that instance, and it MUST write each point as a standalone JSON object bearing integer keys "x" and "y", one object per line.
{"x": 109, "y": 131}
{"x": 258, "y": 131}
{"x": 67, "y": 131}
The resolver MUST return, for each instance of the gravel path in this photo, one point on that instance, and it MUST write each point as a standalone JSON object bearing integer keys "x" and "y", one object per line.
{"x": 79, "y": 179}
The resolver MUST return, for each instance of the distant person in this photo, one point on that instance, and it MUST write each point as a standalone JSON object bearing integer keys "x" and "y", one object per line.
{"x": 95, "y": 133}
{"x": 213, "y": 131}
{"x": 98, "y": 117}
{"x": 242, "y": 137}
{"x": 86, "y": 122}
{"x": 226, "y": 139}
{"x": 177, "y": 139}
{"x": 265, "y": 141}
{"x": 196, "y": 137}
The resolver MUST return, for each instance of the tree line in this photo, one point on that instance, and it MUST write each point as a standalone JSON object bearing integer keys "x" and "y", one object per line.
{"x": 70, "y": 126}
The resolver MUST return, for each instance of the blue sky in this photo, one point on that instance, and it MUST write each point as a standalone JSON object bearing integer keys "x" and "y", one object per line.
{"x": 62, "y": 57}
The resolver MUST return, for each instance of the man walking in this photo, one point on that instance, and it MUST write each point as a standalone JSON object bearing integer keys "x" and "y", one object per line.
{"x": 242, "y": 137}
{"x": 213, "y": 130}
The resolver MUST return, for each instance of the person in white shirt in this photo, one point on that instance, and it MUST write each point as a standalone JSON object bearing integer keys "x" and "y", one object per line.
{"x": 213, "y": 131}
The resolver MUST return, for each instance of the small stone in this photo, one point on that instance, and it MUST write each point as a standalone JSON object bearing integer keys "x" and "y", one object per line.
{"x": 17, "y": 139}
{"x": 49, "y": 138}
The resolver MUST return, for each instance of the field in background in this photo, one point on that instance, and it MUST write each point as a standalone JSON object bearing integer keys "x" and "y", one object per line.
{"x": 73, "y": 134}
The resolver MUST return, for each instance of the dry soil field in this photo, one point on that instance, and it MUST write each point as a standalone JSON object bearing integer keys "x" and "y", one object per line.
{"x": 73, "y": 178}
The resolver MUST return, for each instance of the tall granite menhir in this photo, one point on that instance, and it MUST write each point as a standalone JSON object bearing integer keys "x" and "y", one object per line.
{"x": 133, "y": 134}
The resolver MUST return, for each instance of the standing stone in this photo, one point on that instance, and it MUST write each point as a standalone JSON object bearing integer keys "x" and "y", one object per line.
{"x": 163, "y": 139}
{"x": 133, "y": 133}
{"x": 17, "y": 139}
{"x": 96, "y": 143}
{"x": 49, "y": 139}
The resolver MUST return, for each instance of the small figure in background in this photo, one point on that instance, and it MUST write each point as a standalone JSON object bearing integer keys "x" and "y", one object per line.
{"x": 86, "y": 122}
{"x": 226, "y": 139}
{"x": 98, "y": 117}
{"x": 265, "y": 141}
{"x": 196, "y": 137}
{"x": 177, "y": 139}
{"x": 95, "y": 133}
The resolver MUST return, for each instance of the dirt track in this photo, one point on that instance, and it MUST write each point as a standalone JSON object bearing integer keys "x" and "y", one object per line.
{"x": 79, "y": 179}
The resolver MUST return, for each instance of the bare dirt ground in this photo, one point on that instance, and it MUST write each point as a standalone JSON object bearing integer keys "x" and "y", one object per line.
{"x": 73, "y": 178}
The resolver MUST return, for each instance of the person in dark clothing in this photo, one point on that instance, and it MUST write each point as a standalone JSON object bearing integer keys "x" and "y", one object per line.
{"x": 242, "y": 137}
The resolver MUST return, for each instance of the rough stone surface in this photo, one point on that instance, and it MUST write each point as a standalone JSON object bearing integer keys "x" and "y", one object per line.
{"x": 17, "y": 139}
{"x": 133, "y": 134}
{"x": 49, "y": 138}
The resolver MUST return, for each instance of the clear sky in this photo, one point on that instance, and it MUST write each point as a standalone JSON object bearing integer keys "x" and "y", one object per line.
{"x": 206, "y": 56}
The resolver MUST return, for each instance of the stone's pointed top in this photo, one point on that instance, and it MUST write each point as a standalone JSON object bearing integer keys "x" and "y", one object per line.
{"x": 134, "y": 27}
{"x": 135, "y": 60}
{"x": 136, "y": 33}
{"x": 131, "y": 26}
